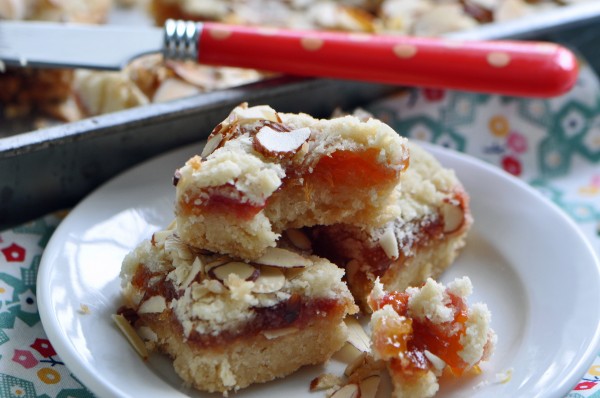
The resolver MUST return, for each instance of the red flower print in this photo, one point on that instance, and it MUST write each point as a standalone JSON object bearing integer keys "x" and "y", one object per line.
{"x": 14, "y": 253}
{"x": 25, "y": 358}
{"x": 585, "y": 385}
{"x": 44, "y": 347}
{"x": 512, "y": 165}
{"x": 433, "y": 94}
{"x": 517, "y": 142}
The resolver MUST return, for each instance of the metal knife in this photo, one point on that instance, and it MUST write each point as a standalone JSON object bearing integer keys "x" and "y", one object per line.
{"x": 532, "y": 69}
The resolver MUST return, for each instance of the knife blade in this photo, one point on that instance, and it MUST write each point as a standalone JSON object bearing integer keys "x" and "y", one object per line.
{"x": 533, "y": 69}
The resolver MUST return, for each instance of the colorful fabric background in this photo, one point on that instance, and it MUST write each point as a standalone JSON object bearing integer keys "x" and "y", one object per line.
{"x": 552, "y": 144}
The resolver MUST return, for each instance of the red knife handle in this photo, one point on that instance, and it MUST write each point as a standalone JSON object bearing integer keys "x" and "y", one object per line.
{"x": 531, "y": 69}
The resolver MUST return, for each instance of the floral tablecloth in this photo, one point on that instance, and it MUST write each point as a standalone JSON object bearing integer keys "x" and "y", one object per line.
{"x": 552, "y": 144}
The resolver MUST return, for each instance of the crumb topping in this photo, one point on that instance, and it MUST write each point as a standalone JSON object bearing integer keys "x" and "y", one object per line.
{"x": 430, "y": 327}
{"x": 255, "y": 148}
{"x": 206, "y": 301}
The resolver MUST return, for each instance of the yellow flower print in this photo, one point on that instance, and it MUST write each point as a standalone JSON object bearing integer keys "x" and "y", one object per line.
{"x": 499, "y": 126}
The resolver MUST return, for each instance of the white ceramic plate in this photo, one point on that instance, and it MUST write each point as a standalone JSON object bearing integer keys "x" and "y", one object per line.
{"x": 527, "y": 260}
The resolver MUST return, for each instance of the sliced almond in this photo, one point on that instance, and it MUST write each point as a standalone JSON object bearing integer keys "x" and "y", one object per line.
{"x": 66, "y": 111}
{"x": 369, "y": 386}
{"x": 254, "y": 113}
{"x": 292, "y": 273}
{"x": 348, "y": 354}
{"x": 175, "y": 246}
{"x": 244, "y": 271}
{"x": 154, "y": 305}
{"x": 354, "y": 365}
{"x": 194, "y": 271}
{"x": 129, "y": 332}
{"x": 348, "y": 391}
{"x": 298, "y": 239}
{"x": 213, "y": 143}
{"x": 273, "y": 334}
{"x": 282, "y": 258}
{"x": 192, "y": 73}
{"x": 173, "y": 88}
{"x": 275, "y": 142}
{"x": 147, "y": 334}
{"x": 325, "y": 381}
{"x": 159, "y": 237}
{"x": 357, "y": 335}
{"x": 270, "y": 280}
{"x": 389, "y": 243}
{"x": 215, "y": 263}
{"x": 453, "y": 215}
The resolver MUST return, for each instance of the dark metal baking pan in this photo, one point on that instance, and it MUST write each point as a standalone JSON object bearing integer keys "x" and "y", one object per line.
{"x": 53, "y": 168}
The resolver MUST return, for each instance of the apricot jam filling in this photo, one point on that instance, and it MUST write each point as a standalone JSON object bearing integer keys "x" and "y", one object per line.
{"x": 405, "y": 341}
{"x": 297, "y": 311}
{"x": 341, "y": 168}
{"x": 224, "y": 199}
{"x": 349, "y": 168}
{"x": 294, "y": 312}
{"x": 332, "y": 243}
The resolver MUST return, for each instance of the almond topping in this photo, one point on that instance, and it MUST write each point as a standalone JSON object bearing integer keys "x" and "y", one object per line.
{"x": 282, "y": 258}
{"x": 173, "y": 88}
{"x": 216, "y": 263}
{"x": 273, "y": 334}
{"x": 254, "y": 113}
{"x": 133, "y": 338}
{"x": 389, "y": 243}
{"x": 270, "y": 280}
{"x": 453, "y": 217}
{"x": 213, "y": 143}
{"x": 348, "y": 354}
{"x": 298, "y": 239}
{"x": 325, "y": 381}
{"x": 159, "y": 237}
{"x": 191, "y": 73}
{"x": 292, "y": 273}
{"x": 348, "y": 391}
{"x": 356, "y": 364}
{"x": 244, "y": 271}
{"x": 369, "y": 386}
{"x": 173, "y": 245}
{"x": 194, "y": 271}
{"x": 154, "y": 305}
{"x": 357, "y": 335}
{"x": 277, "y": 143}
{"x": 147, "y": 334}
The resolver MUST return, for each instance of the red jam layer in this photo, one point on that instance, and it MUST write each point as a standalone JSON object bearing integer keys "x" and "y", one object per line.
{"x": 222, "y": 200}
{"x": 294, "y": 312}
{"x": 342, "y": 168}
{"x": 348, "y": 168}
{"x": 416, "y": 336}
{"x": 331, "y": 243}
